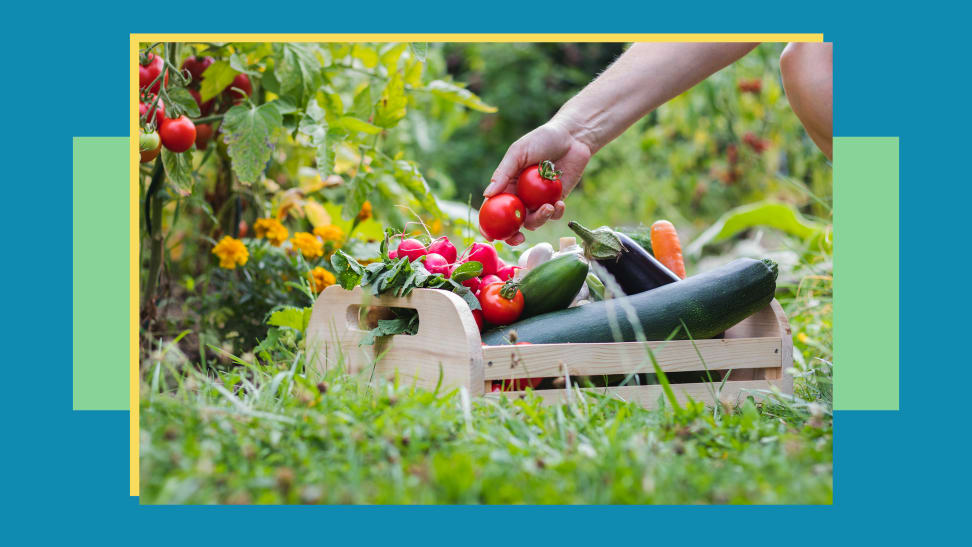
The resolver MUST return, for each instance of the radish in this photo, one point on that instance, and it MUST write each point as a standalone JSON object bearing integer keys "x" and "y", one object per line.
{"x": 485, "y": 255}
{"x": 478, "y": 316}
{"x": 472, "y": 283}
{"x": 490, "y": 279}
{"x": 507, "y": 272}
{"x": 393, "y": 254}
{"x": 436, "y": 264}
{"x": 445, "y": 248}
{"x": 412, "y": 248}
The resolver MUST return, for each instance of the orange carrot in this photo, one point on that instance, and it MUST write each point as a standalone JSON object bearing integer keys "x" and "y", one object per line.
{"x": 667, "y": 249}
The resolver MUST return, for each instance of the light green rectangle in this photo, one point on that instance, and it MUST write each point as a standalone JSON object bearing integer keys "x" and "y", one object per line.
{"x": 101, "y": 273}
{"x": 866, "y": 273}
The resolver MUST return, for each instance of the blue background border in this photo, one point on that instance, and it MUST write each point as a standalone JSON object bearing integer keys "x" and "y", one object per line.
{"x": 895, "y": 472}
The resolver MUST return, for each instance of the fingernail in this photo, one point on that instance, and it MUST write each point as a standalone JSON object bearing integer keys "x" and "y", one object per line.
{"x": 490, "y": 189}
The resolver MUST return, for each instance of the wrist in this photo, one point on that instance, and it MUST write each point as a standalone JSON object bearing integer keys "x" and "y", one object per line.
{"x": 578, "y": 127}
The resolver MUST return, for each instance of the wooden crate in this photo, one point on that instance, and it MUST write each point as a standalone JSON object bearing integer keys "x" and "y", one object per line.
{"x": 759, "y": 350}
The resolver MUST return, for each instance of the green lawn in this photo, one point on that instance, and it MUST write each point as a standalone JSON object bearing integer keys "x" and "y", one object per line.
{"x": 265, "y": 430}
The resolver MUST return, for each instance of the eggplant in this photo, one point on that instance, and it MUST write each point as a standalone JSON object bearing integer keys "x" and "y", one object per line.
{"x": 634, "y": 269}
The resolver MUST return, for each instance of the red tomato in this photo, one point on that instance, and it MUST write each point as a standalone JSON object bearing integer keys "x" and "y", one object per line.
{"x": 147, "y": 73}
{"x": 196, "y": 66}
{"x": 204, "y": 107}
{"x": 478, "y": 316}
{"x": 241, "y": 81}
{"x": 159, "y": 110}
{"x": 497, "y": 308}
{"x": 434, "y": 263}
{"x": 539, "y": 184}
{"x": 501, "y": 216}
{"x": 204, "y": 132}
{"x": 178, "y": 135}
{"x": 484, "y": 254}
{"x": 412, "y": 248}
{"x": 445, "y": 248}
{"x": 149, "y": 146}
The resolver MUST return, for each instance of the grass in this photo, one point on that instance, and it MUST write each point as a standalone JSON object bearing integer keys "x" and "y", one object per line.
{"x": 264, "y": 429}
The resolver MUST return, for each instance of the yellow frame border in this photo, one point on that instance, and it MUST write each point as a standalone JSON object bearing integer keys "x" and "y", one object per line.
{"x": 135, "y": 39}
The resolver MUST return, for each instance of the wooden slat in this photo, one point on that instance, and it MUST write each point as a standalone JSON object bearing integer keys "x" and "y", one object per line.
{"x": 547, "y": 360}
{"x": 647, "y": 396}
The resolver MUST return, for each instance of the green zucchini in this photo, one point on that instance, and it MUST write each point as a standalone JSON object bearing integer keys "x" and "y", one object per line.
{"x": 552, "y": 285}
{"x": 707, "y": 303}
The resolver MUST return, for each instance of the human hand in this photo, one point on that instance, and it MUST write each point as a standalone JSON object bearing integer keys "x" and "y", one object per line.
{"x": 552, "y": 141}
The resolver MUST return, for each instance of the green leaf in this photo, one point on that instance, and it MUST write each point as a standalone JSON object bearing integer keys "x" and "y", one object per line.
{"x": 362, "y": 105}
{"x": 181, "y": 102}
{"x": 452, "y": 92}
{"x": 215, "y": 79}
{"x": 248, "y": 132}
{"x": 238, "y": 63}
{"x": 782, "y": 216}
{"x": 366, "y": 54}
{"x": 297, "y": 69}
{"x": 466, "y": 295}
{"x": 314, "y": 125}
{"x": 466, "y": 271}
{"x": 331, "y": 101}
{"x": 178, "y": 169}
{"x": 413, "y": 74}
{"x": 391, "y": 106}
{"x": 407, "y": 323}
{"x": 419, "y": 49}
{"x": 349, "y": 271}
{"x": 390, "y": 57}
{"x": 354, "y": 125}
{"x": 408, "y": 175}
{"x": 295, "y": 318}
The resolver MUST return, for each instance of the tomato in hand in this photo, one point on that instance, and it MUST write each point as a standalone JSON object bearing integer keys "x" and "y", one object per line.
{"x": 539, "y": 184}
{"x": 502, "y": 303}
{"x": 204, "y": 132}
{"x": 501, "y": 216}
{"x": 149, "y": 146}
{"x": 196, "y": 66}
{"x": 178, "y": 135}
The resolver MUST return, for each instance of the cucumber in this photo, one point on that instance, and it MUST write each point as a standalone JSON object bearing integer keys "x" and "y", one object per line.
{"x": 552, "y": 285}
{"x": 708, "y": 303}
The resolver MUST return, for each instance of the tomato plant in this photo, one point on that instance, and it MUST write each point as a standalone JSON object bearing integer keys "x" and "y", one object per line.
{"x": 149, "y": 71}
{"x": 204, "y": 132}
{"x": 145, "y": 107}
{"x": 502, "y": 303}
{"x": 178, "y": 135}
{"x": 501, "y": 216}
{"x": 195, "y": 66}
{"x": 539, "y": 184}
{"x": 149, "y": 146}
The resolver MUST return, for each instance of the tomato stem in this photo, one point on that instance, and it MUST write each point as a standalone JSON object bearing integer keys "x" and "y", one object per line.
{"x": 548, "y": 171}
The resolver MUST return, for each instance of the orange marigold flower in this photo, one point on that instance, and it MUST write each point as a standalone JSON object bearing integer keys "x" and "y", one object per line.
{"x": 231, "y": 252}
{"x": 320, "y": 279}
{"x": 329, "y": 233}
{"x": 365, "y": 212}
{"x": 271, "y": 229}
{"x": 309, "y": 246}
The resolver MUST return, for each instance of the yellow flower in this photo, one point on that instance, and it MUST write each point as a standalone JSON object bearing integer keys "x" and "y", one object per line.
{"x": 320, "y": 279}
{"x": 802, "y": 338}
{"x": 310, "y": 246}
{"x": 329, "y": 233}
{"x": 365, "y": 212}
{"x": 271, "y": 229}
{"x": 231, "y": 252}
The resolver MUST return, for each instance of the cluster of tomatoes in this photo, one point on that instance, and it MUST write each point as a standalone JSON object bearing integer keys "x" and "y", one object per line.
{"x": 179, "y": 134}
{"x": 502, "y": 215}
{"x": 501, "y": 303}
